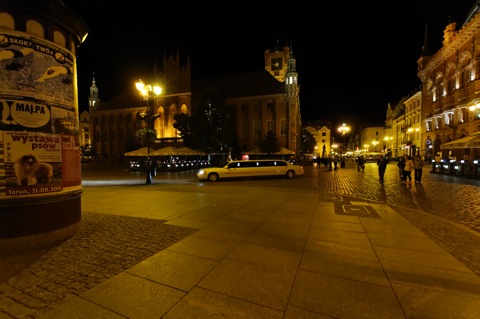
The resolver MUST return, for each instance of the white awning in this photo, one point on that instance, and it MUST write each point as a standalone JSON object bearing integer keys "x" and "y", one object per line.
{"x": 470, "y": 141}
{"x": 140, "y": 152}
{"x": 176, "y": 151}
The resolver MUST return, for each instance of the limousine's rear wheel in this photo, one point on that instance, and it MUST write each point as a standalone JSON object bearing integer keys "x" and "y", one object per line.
{"x": 213, "y": 177}
{"x": 290, "y": 174}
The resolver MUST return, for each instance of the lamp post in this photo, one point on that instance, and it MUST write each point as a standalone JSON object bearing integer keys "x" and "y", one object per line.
{"x": 145, "y": 91}
{"x": 388, "y": 142}
{"x": 344, "y": 129}
{"x": 375, "y": 143}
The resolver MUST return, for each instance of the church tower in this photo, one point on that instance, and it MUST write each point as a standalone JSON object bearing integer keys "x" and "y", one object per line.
{"x": 291, "y": 77}
{"x": 292, "y": 91}
{"x": 93, "y": 99}
{"x": 281, "y": 64}
{"x": 276, "y": 61}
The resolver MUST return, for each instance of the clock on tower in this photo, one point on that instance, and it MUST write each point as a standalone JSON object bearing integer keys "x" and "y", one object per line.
{"x": 276, "y": 64}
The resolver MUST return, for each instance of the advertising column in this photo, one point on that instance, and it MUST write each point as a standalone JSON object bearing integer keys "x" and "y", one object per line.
{"x": 40, "y": 176}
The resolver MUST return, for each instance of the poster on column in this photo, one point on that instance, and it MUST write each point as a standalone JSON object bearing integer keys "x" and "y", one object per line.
{"x": 39, "y": 146}
{"x": 33, "y": 163}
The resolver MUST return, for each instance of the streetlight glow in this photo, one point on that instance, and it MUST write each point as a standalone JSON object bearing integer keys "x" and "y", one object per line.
{"x": 145, "y": 91}
{"x": 344, "y": 129}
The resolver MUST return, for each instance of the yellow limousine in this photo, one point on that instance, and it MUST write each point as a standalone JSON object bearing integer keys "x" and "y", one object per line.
{"x": 251, "y": 168}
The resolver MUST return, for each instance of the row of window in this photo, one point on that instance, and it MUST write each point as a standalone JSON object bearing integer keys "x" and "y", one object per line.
{"x": 257, "y": 108}
{"x": 256, "y": 164}
{"x": 268, "y": 127}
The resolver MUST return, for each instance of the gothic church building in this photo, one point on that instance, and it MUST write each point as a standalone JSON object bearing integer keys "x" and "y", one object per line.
{"x": 267, "y": 100}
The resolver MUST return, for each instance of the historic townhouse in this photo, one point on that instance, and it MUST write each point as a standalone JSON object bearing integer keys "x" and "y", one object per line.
{"x": 411, "y": 131}
{"x": 451, "y": 87}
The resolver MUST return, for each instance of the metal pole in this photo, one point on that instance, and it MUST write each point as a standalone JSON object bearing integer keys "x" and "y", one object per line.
{"x": 149, "y": 175}
{"x": 147, "y": 117}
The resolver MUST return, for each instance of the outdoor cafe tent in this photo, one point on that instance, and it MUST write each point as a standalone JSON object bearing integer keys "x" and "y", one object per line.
{"x": 189, "y": 151}
{"x": 166, "y": 151}
{"x": 140, "y": 152}
{"x": 470, "y": 141}
{"x": 176, "y": 151}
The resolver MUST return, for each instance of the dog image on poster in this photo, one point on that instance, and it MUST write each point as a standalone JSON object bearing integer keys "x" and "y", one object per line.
{"x": 30, "y": 171}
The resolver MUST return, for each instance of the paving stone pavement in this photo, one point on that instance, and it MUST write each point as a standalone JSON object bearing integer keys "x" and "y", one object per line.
{"x": 446, "y": 208}
{"x": 105, "y": 246}
{"x": 36, "y": 281}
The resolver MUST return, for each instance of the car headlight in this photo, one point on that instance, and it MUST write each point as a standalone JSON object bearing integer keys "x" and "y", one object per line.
{"x": 201, "y": 172}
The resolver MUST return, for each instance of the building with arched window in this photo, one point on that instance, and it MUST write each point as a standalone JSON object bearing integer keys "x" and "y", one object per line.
{"x": 263, "y": 101}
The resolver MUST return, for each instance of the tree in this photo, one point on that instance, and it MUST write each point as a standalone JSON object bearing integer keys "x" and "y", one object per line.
{"x": 87, "y": 151}
{"x": 141, "y": 134}
{"x": 210, "y": 127}
{"x": 186, "y": 128}
{"x": 307, "y": 143}
{"x": 270, "y": 143}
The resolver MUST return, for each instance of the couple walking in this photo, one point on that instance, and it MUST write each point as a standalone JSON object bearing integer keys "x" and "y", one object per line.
{"x": 407, "y": 165}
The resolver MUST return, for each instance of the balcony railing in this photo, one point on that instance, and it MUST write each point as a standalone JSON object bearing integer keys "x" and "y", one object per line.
{"x": 460, "y": 94}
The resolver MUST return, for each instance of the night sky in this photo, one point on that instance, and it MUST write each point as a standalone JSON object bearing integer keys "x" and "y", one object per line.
{"x": 353, "y": 57}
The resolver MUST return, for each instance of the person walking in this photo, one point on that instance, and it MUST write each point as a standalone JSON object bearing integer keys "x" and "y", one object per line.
{"x": 361, "y": 163}
{"x": 318, "y": 160}
{"x": 382, "y": 166}
{"x": 407, "y": 170}
{"x": 418, "y": 164}
{"x": 401, "y": 165}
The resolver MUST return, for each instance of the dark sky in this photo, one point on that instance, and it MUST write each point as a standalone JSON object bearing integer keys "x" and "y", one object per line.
{"x": 353, "y": 57}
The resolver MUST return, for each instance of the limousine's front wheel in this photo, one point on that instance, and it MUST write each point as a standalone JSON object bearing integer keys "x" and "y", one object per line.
{"x": 290, "y": 174}
{"x": 213, "y": 177}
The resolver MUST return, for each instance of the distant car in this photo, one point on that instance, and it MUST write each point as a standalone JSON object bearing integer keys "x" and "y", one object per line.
{"x": 251, "y": 168}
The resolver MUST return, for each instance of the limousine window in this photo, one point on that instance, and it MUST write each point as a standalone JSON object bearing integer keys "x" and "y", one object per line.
{"x": 242, "y": 164}
{"x": 273, "y": 163}
{"x": 256, "y": 164}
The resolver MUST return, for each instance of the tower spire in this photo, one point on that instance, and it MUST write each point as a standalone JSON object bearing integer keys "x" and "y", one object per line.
{"x": 93, "y": 99}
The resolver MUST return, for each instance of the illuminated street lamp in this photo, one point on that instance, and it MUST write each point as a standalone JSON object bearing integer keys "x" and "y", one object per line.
{"x": 375, "y": 143}
{"x": 388, "y": 142}
{"x": 145, "y": 91}
{"x": 344, "y": 129}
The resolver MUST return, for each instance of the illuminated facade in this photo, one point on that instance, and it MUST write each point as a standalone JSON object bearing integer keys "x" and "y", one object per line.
{"x": 263, "y": 101}
{"x": 451, "y": 86}
{"x": 113, "y": 124}
{"x": 372, "y": 138}
{"x": 412, "y": 143}
{"x": 323, "y": 139}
